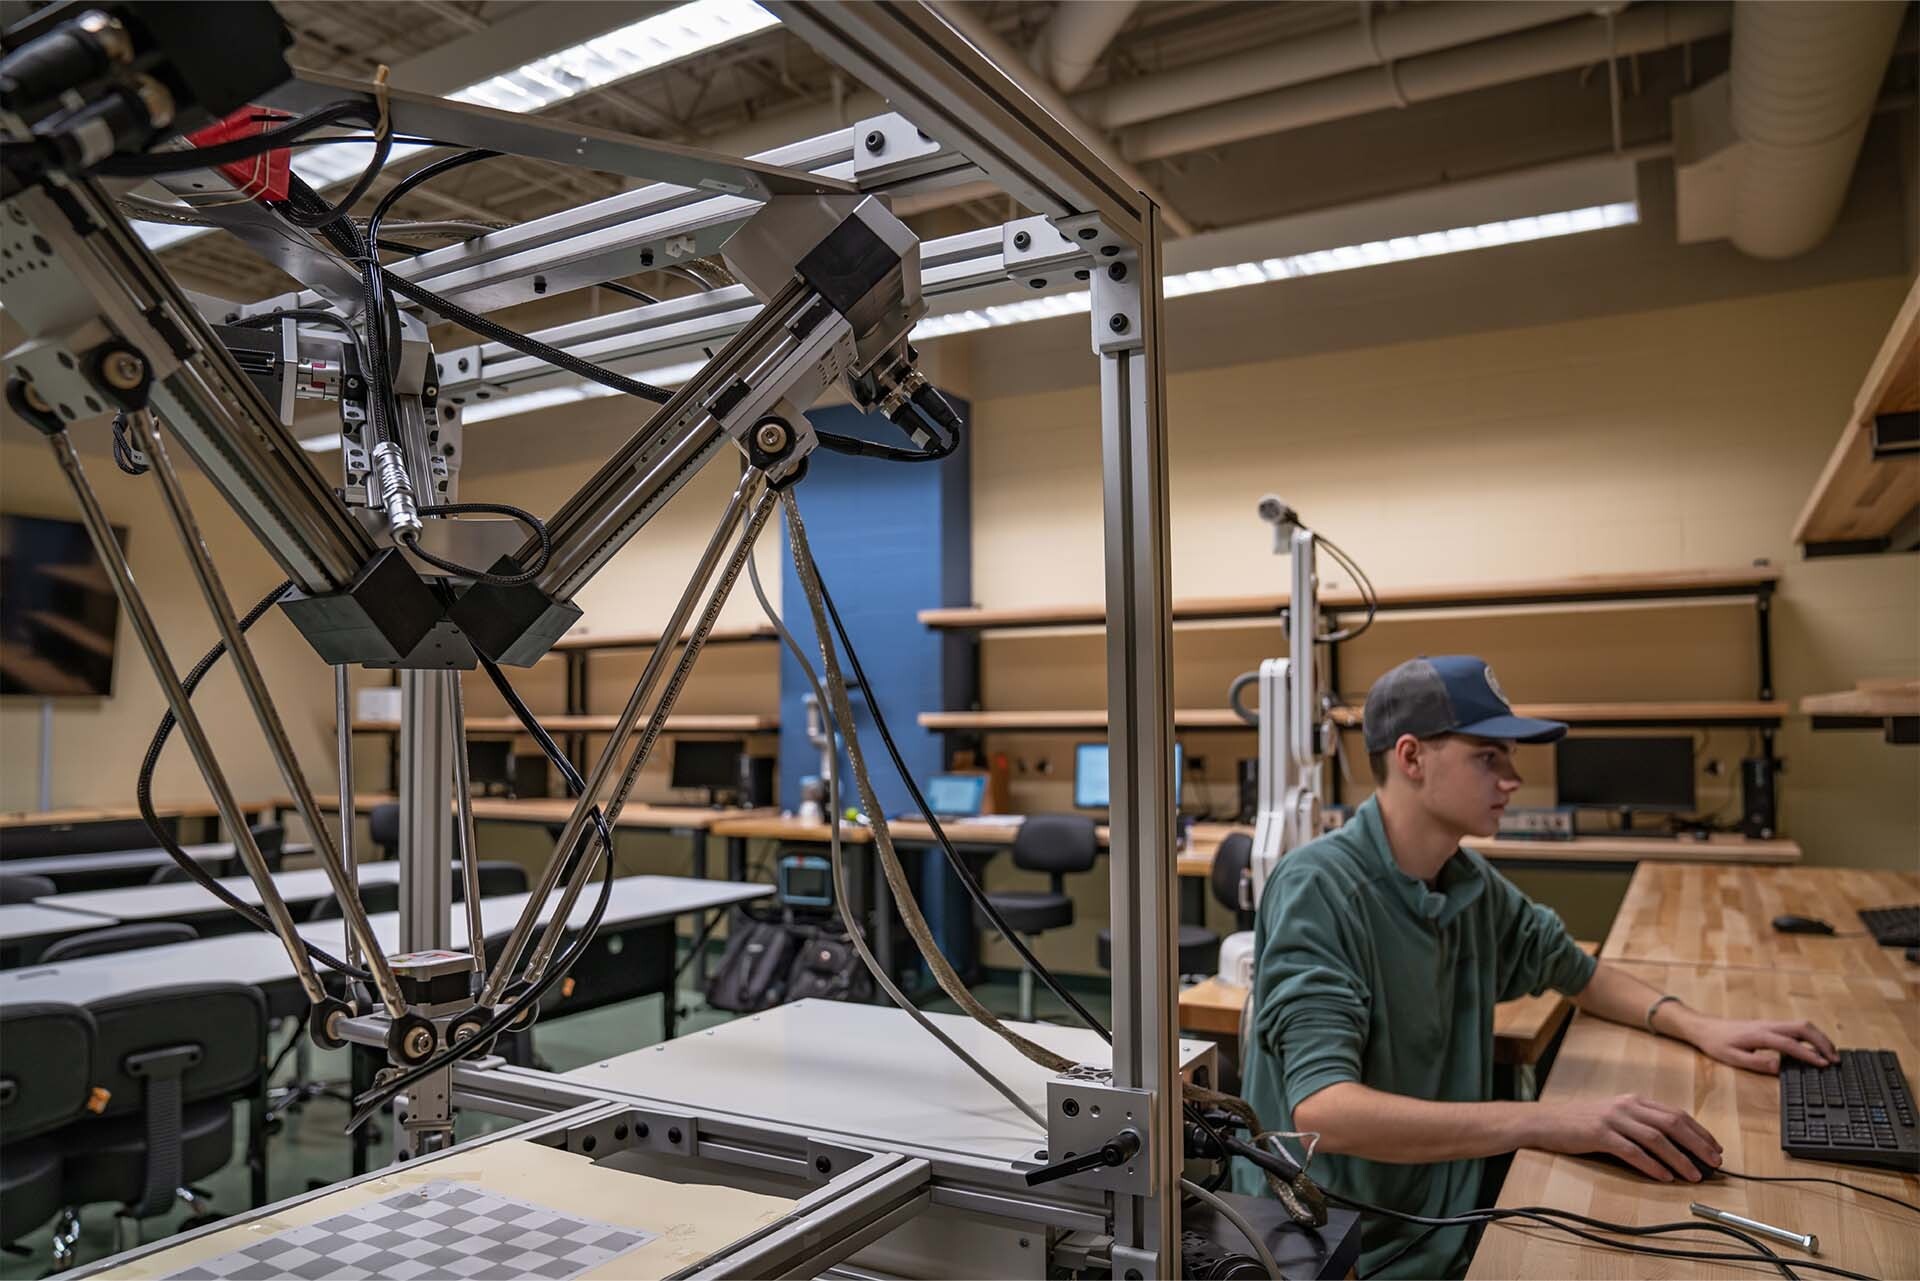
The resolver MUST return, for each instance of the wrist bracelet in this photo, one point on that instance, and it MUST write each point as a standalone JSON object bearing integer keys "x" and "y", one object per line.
{"x": 1654, "y": 1007}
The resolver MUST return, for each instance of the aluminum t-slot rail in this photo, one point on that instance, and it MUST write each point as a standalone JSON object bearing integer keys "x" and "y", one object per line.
{"x": 1029, "y": 252}
{"x": 658, "y": 225}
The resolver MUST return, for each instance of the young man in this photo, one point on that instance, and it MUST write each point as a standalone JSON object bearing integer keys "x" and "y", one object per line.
{"x": 1381, "y": 950}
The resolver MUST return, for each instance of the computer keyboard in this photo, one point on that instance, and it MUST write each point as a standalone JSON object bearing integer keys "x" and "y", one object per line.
{"x": 1858, "y": 1111}
{"x": 1893, "y": 926}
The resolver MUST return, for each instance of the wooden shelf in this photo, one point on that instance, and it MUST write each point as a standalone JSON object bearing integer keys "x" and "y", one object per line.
{"x": 1580, "y": 589}
{"x": 1869, "y": 698}
{"x": 1860, "y": 501}
{"x": 647, "y": 640}
{"x": 1221, "y": 718}
{"x": 684, "y": 724}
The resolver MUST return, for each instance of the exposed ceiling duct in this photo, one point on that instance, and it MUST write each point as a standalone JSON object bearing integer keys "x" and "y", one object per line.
{"x": 1375, "y": 40}
{"x": 1764, "y": 153}
{"x": 1079, "y": 33}
{"x": 1564, "y": 46}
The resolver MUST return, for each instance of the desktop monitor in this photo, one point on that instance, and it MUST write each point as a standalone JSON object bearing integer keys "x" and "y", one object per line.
{"x": 490, "y": 770}
{"x": 1625, "y": 773}
{"x": 711, "y": 764}
{"x": 956, "y": 795}
{"x": 1090, "y": 791}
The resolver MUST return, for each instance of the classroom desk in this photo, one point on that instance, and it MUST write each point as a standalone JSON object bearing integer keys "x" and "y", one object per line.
{"x": 78, "y": 815}
{"x": 184, "y": 900}
{"x": 26, "y": 927}
{"x": 690, "y": 821}
{"x": 1522, "y": 1028}
{"x": 1582, "y": 851}
{"x": 1741, "y": 1109}
{"x": 1723, "y": 916}
{"x": 61, "y": 865}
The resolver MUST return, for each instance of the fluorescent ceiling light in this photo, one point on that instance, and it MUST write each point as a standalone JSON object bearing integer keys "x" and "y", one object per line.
{"x": 553, "y": 78}
{"x": 1318, "y": 262}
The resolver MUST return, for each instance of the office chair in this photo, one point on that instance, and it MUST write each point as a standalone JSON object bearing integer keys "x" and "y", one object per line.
{"x": 118, "y": 938}
{"x": 498, "y": 878}
{"x": 375, "y": 898}
{"x": 25, "y": 889}
{"x": 383, "y": 824}
{"x": 1055, "y": 844}
{"x": 1199, "y": 947}
{"x": 173, "y": 1061}
{"x": 41, "y": 1042}
{"x": 270, "y": 837}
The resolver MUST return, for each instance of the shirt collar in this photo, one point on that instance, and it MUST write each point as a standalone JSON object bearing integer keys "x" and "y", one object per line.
{"x": 1455, "y": 888}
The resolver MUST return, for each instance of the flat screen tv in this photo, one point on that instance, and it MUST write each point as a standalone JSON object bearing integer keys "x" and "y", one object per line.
{"x": 58, "y": 613}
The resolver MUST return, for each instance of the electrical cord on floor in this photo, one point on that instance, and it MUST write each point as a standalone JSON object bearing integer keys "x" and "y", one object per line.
{"x": 1550, "y": 1217}
{"x": 373, "y": 1100}
{"x": 143, "y": 797}
{"x": 532, "y": 522}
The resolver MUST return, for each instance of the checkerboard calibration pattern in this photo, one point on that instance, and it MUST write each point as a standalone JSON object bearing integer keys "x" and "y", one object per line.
{"x": 440, "y": 1229}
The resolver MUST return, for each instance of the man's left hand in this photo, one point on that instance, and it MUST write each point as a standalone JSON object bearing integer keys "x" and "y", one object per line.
{"x": 1757, "y": 1044}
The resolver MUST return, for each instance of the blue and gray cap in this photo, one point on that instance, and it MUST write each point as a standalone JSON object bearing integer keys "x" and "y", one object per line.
{"x": 1450, "y": 694}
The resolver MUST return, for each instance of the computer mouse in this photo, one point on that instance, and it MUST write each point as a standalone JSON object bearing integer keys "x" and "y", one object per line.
{"x": 1704, "y": 1170}
{"x": 1791, "y": 924}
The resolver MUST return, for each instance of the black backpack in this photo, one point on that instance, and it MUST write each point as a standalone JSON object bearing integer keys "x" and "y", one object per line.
{"x": 753, "y": 973}
{"x": 829, "y": 968}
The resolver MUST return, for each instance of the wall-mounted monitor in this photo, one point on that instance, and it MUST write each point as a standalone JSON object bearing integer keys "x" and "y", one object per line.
{"x": 58, "y": 613}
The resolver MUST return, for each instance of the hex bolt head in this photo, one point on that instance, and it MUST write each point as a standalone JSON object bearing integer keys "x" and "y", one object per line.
{"x": 823, "y": 1164}
{"x": 462, "y": 364}
{"x": 1082, "y": 274}
{"x": 1038, "y": 282}
{"x": 539, "y": 284}
{"x": 1022, "y": 239}
{"x": 1087, "y": 233}
{"x": 1118, "y": 271}
{"x": 1108, "y": 251}
{"x": 1117, "y": 323}
{"x": 1070, "y": 1107}
{"x": 419, "y": 1043}
{"x": 876, "y": 142}
{"x": 771, "y": 437}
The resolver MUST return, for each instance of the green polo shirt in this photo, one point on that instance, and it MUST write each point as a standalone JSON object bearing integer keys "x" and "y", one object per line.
{"x": 1363, "y": 973}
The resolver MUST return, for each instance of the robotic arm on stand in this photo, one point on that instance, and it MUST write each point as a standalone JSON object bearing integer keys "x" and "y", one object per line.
{"x": 1295, "y": 731}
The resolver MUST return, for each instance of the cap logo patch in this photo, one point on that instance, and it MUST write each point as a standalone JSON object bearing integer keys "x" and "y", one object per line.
{"x": 1494, "y": 685}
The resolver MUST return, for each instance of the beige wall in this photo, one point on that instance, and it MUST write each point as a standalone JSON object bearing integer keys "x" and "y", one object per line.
{"x": 1677, "y": 438}
{"x": 1672, "y": 439}
{"x": 98, "y": 743}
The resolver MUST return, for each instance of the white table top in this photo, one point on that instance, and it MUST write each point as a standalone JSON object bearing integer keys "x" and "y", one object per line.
{"x": 184, "y": 898}
{"x": 862, "y": 1071}
{"x": 32, "y": 920}
{"x": 111, "y": 860}
{"x": 259, "y": 958}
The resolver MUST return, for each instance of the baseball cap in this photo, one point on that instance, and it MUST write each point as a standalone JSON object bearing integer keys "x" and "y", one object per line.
{"x": 1448, "y": 694}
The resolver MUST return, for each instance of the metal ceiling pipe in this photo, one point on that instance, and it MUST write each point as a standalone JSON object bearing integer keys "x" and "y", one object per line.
{"x": 1079, "y": 33}
{"x": 1379, "y": 38}
{"x": 1565, "y": 46}
{"x": 982, "y": 37}
{"x": 1803, "y": 81}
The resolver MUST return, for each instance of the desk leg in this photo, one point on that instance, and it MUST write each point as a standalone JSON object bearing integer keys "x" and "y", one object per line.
{"x": 736, "y": 858}
{"x": 698, "y": 837}
{"x": 361, "y": 1079}
{"x": 1193, "y": 900}
{"x": 257, "y": 1142}
{"x": 881, "y": 897}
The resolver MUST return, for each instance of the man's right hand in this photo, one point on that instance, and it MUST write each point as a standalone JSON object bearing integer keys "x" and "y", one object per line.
{"x": 1646, "y": 1135}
